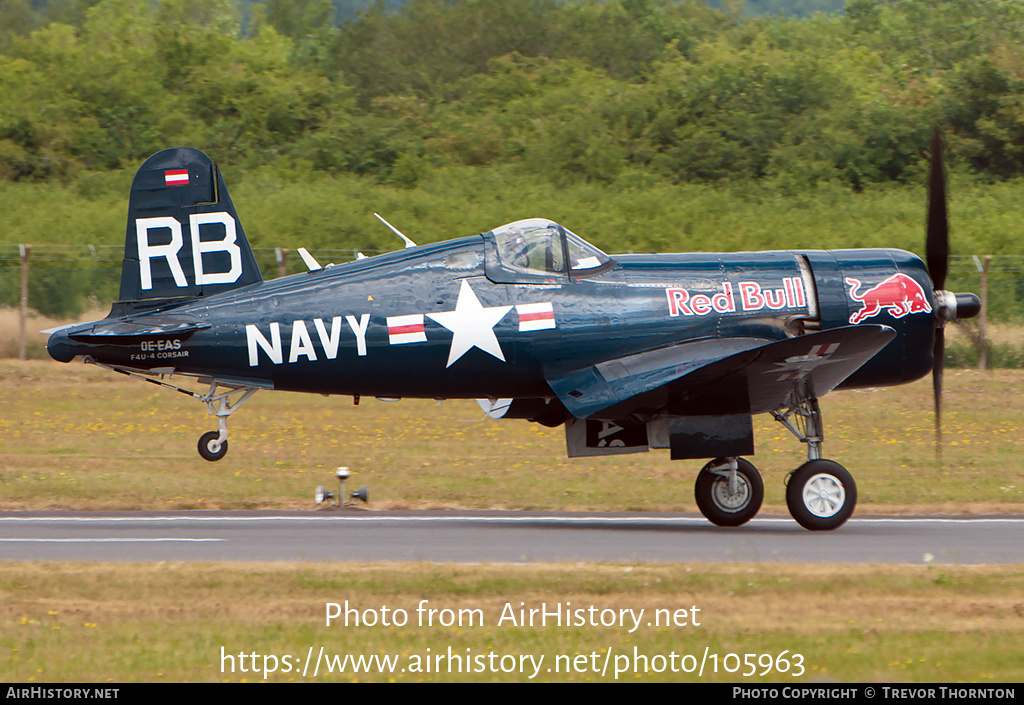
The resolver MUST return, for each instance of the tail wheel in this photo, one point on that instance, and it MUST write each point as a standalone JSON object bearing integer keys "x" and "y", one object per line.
{"x": 725, "y": 504}
{"x": 210, "y": 448}
{"x": 821, "y": 495}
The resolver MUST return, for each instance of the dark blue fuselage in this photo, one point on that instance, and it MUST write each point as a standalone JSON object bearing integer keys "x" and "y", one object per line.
{"x": 365, "y": 327}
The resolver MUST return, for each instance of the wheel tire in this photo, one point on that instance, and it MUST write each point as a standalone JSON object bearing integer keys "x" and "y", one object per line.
{"x": 206, "y": 441}
{"x": 715, "y": 503}
{"x": 821, "y": 495}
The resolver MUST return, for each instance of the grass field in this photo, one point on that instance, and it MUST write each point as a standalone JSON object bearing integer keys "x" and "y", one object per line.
{"x": 197, "y": 622}
{"x": 75, "y": 437}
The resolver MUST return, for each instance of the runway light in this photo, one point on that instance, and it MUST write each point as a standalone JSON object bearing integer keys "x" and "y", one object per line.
{"x": 342, "y": 473}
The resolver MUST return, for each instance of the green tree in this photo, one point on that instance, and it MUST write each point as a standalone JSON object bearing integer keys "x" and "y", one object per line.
{"x": 16, "y": 20}
{"x": 984, "y": 107}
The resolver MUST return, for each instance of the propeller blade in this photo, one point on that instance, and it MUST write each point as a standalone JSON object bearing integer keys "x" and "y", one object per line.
{"x": 937, "y": 242}
{"x": 939, "y": 353}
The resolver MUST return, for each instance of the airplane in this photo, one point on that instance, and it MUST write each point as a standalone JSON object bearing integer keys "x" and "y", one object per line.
{"x": 627, "y": 352}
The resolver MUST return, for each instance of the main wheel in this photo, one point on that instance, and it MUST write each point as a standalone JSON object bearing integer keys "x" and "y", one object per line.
{"x": 210, "y": 449}
{"x": 725, "y": 508}
{"x": 821, "y": 495}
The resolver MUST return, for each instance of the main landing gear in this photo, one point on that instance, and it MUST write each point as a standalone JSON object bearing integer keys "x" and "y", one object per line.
{"x": 820, "y": 494}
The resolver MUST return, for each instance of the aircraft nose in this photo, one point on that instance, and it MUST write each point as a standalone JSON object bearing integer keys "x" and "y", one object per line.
{"x": 60, "y": 348}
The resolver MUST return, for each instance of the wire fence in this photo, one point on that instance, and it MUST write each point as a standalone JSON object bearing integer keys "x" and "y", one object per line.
{"x": 106, "y": 257}
{"x": 65, "y": 279}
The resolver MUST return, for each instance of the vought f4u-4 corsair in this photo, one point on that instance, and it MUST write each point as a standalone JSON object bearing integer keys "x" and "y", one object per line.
{"x": 627, "y": 352}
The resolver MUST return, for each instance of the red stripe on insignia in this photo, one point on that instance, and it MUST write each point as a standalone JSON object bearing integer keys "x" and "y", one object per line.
{"x": 540, "y": 316}
{"x": 401, "y": 330}
{"x": 176, "y": 177}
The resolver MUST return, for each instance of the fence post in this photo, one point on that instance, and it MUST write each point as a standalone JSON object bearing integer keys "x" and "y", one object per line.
{"x": 983, "y": 315}
{"x": 22, "y": 333}
{"x": 282, "y": 260}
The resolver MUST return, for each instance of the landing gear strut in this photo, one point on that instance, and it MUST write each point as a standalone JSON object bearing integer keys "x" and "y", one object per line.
{"x": 820, "y": 494}
{"x": 213, "y": 445}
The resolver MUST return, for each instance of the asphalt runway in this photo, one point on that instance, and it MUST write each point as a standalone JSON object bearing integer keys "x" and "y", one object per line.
{"x": 503, "y": 537}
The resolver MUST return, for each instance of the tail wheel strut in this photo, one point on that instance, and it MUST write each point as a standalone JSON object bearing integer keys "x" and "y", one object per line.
{"x": 213, "y": 445}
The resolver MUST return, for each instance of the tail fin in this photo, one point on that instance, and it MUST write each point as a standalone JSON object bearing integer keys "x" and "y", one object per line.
{"x": 184, "y": 238}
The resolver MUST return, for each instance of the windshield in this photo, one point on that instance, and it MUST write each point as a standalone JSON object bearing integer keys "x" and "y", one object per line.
{"x": 541, "y": 246}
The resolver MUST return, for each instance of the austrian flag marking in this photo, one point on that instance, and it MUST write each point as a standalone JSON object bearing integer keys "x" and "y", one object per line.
{"x": 535, "y": 316}
{"x": 176, "y": 177}
{"x": 406, "y": 329}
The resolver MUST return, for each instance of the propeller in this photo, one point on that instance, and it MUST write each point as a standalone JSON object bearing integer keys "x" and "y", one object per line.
{"x": 937, "y": 243}
{"x": 948, "y": 306}
{"x": 937, "y": 258}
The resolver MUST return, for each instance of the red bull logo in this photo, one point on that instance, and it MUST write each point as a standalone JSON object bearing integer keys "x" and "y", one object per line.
{"x": 900, "y": 294}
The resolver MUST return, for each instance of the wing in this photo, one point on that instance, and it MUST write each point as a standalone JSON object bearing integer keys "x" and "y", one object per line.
{"x": 717, "y": 376}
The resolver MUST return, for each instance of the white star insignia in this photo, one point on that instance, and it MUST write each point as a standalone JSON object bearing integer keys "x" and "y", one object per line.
{"x": 472, "y": 325}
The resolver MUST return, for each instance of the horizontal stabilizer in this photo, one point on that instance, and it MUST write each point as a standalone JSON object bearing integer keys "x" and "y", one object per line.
{"x": 122, "y": 330}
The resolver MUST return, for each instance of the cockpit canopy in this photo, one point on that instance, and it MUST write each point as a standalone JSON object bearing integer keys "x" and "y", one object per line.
{"x": 537, "y": 246}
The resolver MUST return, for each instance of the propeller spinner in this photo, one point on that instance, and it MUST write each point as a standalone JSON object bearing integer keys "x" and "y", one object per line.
{"x": 949, "y": 306}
